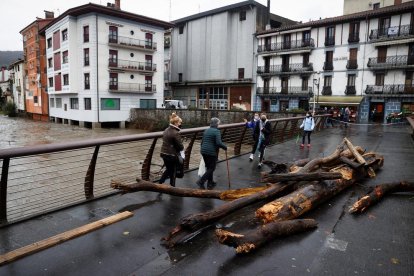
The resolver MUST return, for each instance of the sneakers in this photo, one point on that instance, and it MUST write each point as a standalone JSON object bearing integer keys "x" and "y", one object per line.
{"x": 211, "y": 185}
{"x": 259, "y": 155}
{"x": 251, "y": 157}
{"x": 309, "y": 145}
{"x": 302, "y": 146}
{"x": 259, "y": 166}
{"x": 200, "y": 185}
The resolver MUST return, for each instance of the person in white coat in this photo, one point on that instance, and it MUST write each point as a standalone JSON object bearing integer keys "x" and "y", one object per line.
{"x": 308, "y": 125}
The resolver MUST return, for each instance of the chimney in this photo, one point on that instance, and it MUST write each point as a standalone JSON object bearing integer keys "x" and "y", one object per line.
{"x": 268, "y": 16}
{"x": 118, "y": 4}
{"x": 49, "y": 14}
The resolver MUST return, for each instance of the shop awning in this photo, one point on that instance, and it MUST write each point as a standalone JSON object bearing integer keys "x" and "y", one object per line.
{"x": 337, "y": 100}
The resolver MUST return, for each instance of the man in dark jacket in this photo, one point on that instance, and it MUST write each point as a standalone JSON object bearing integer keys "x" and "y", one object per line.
{"x": 209, "y": 148}
{"x": 264, "y": 139}
{"x": 170, "y": 149}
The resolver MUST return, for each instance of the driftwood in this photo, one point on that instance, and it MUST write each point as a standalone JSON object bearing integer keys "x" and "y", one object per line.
{"x": 191, "y": 223}
{"x": 350, "y": 163}
{"x": 245, "y": 243}
{"x": 306, "y": 198}
{"x": 300, "y": 177}
{"x": 378, "y": 193}
{"x": 355, "y": 153}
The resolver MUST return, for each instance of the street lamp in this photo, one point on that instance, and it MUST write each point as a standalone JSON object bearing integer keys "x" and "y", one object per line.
{"x": 316, "y": 81}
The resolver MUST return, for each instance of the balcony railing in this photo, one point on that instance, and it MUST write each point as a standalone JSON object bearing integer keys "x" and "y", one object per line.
{"x": 129, "y": 65}
{"x": 290, "y": 90}
{"x": 328, "y": 66}
{"x": 390, "y": 89}
{"x": 132, "y": 43}
{"x": 353, "y": 38}
{"x": 352, "y": 64}
{"x": 288, "y": 69}
{"x": 329, "y": 41}
{"x": 131, "y": 87}
{"x": 350, "y": 90}
{"x": 286, "y": 46}
{"x": 391, "y": 33}
{"x": 394, "y": 62}
{"x": 327, "y": 91}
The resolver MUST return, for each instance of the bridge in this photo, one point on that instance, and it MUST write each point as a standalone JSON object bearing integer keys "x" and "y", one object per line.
{"x": 375, "y": 243}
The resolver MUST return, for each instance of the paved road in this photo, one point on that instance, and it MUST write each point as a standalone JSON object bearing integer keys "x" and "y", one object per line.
{"x": 379, "y": 242}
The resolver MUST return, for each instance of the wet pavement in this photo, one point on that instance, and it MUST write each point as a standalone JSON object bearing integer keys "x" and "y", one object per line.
{"x": 379, "y": 242}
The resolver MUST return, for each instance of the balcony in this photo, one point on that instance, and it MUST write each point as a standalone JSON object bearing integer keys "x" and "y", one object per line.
{"x": 329, "y": 41}
{"x": 130, "y": 43}
{"x": 288, "y": 69}
{"x": 287, "y": 46}
{"x": 291, "y": 90}
{"x": 350, "y": 90}
{"x": 394, "y": 62}
{"x": 132, "y": 66}
{"x": 390, "y": 90}
{"x": 352, "y": 64}
{"x": 353, "y": 38}
{"x": 392, "y": 33}
{"x": 328, "y": 66}
{"x": 131, "y": 87}
{"x": 327, "y": 91}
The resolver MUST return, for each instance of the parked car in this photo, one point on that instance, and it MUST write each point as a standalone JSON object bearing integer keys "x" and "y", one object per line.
{"x": 174, "y": 104}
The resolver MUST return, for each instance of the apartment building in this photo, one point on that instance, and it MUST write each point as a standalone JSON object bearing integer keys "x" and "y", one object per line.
{"x": 363, "y": 60}
{"x": 212, "y": 55}
{"x": 354, "y": 6}
{"x": 36, "y": 98}
{"x": 17, "y": 78}
{"x": 101, "y": 62}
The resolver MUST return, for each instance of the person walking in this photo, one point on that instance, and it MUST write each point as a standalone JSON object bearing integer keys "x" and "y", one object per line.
{"x": 308, "y": 125}
{"x": 347, "y": 114}
{"x": 254, "y": 124}
{"x": 170, "y": 149}
{"x": 210, "y": 146}
{"x": 264, "y": 138}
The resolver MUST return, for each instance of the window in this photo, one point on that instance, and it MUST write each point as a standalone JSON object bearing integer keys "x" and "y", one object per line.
{"x": 49, "y": 43}
{"x": 113, "y": 34}
{"x": 353, "y": 32}
{"x": 88, "y": 103}
{"x": 52, "y": 102}
{"x": 110, "y": 104}
{"x": 65, "y": 57}
{"x": 50, "y": 82}
{"x": 148, "y": 40}
{"x": 305, "y": 84}
{"x": 148, "y": 83}
{"x": 113, "y": 58}
{"x": 180, "y": 77}
{"x": 306, "y": 59}
{"x": 306, "y": 38}
{"x": 58, "y": 102}
{"x": 56, "y": 40}
{"x": 351, "y": 80}
{"x": 131, "y": 32}
{"x": 147, "y": 103}
{"x": 50, "y": 63}
{"x": 35, "y": 99}
{"x": 74, "y": 103}
{"x": 58, "y": 82}
{"x": 181, "y": 29}
{"x": 242, "y": 15}
{"x": 86, "y": 57}
{"x": 65, "y": 35}
{"x": 66, "y": 79}
{"x": 327, "y": 81}
{"x": 376, "y": 6}
{"x": 330, "y": 36}
{"x": 56, "y": 61}
{"x": 148, "y": 63}
{"x": 85, "y": 33}
{"x": 113, "y": 81}
{"x": 383, "y": 25}
{"x": 241, "y": 73}
{"x": 86, "y": 81}
{"x": 379, "y": 79}
{"x": 217, "y": 98}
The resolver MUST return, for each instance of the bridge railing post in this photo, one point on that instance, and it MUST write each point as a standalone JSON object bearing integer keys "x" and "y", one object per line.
{"x": 90, "y": 175}
{"x": 3, "y": 190}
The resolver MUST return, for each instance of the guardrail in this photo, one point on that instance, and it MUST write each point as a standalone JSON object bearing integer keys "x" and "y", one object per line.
{"x": 43, "y": 178}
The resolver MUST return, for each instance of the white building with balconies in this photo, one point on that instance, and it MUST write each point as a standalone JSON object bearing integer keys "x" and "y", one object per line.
{"x": 17, "y": 76}
{"x": 101, "y": 62}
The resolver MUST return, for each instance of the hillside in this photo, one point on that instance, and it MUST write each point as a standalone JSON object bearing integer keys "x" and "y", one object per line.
{"x": 7, "y": 57}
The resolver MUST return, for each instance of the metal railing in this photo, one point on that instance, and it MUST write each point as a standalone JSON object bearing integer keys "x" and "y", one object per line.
{"x": 131, "y": 87}
{"x": 350, "y": 90}
{"x": 391, "y": 33}
{"x": 391, "y": 62}
{"x": 389, "y": 89}
{"x": 131, "y": 42}
{"x": 352, "y": 64}
{"x": 328, "y": 66}
{"x": 329, "y": 40}
{"x": 39, "y": 179}
{"x": 131, "y": 65}
{"x": 353, "y": 37}
{"x": 289, "y": 69}
{"x": 295, "y": 90}
{"x": 286, "y": 46}
{"x": 327, "y": 91}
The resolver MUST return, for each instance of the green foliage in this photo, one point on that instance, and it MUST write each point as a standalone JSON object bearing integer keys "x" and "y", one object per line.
{"x": 10, "y": 109}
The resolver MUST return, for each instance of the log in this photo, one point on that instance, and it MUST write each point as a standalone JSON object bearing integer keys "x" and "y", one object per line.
{"x": 355, "y": 153}
{"x": 350, "y": 163}
{"x": 192, "y": 223}
{"x": 378, "y": 193}
{"x": 306, "y": 198}
{"x": 272, "y": 178}
{"x": 245, "y": 243}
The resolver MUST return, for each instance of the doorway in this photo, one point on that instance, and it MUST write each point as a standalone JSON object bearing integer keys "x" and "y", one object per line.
{"x": 265, "y": 105}
{"x": 376, "y": 112}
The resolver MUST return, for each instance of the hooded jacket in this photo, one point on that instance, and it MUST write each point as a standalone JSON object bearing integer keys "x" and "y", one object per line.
{"x": 308, "y": 124}
{"x": 171, "y": 141}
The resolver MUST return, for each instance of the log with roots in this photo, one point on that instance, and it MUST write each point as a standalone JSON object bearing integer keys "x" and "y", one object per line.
{"x": 378, "y": 193}
{"x": 245, "y": 243}
{"x": 192, "y": 223}
{"x": 306, "y": 198}
{"x": 272, "y": 178}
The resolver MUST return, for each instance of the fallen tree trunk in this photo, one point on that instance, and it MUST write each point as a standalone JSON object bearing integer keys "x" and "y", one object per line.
{"x": 378, "y": 193}
{"x": 272, "y": 178}
{"x": 306, "y": 198}
{"x": 245, "y": 243}
{"x": 191, "y": 223}
{"x": 355, "y": 152}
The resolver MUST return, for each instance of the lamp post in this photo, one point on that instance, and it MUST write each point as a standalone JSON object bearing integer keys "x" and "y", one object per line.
{"x": 316, "y": 81}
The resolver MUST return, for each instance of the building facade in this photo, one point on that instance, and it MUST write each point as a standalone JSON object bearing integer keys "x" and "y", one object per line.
{"x": 17, "y": 77}
{"x": 101, "y": 62}
{"x": 36, "y": 98}
{"x": 167, "y": 65}
{"x": 212, "y": 55}
{"x": 354, "y": 6}
{"x": 363, "y": 60}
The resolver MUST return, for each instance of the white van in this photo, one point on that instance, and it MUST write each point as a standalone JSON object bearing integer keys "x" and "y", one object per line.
{"x": 174, "y": 104}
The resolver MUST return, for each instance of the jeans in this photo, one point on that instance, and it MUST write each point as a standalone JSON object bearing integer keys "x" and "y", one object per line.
{"x": 210, "y": 162}
{"x": 254, "y": 148}
{"x": 170, "y": 163}
{"x": 306, "y": 132}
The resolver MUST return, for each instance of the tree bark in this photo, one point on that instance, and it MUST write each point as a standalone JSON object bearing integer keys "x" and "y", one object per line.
{"x": 378, "y": 193}
{"x": 355, "y": 153}
{"x": 254, "y": 239}
{"x": 272, "y": 178}
{"x": 350, "y": 163}
{"x": 194, "y": 222}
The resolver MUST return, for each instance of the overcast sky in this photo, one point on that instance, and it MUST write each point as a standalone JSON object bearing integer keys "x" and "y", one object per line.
{"x": 17, "y": 14}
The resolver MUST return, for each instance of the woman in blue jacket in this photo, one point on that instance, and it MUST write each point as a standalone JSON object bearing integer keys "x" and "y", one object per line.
{"x": 308, "y": 125}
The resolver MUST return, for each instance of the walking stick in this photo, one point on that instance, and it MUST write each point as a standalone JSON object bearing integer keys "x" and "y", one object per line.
{"x": 228, "y": 170}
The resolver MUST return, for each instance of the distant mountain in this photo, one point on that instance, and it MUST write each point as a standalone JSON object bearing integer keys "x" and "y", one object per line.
{"x": 7, "y": 57}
